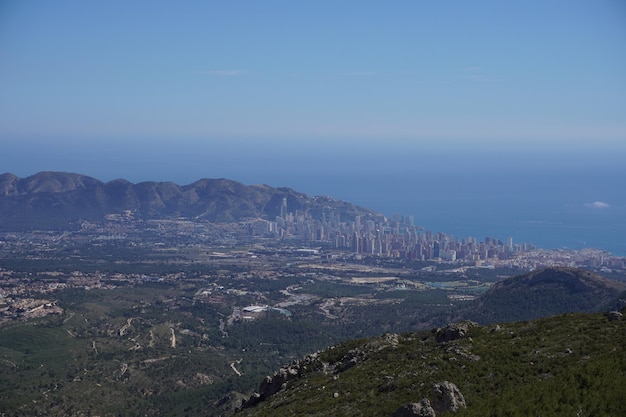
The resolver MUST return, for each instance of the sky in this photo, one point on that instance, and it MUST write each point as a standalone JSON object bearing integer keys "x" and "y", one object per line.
{"x": 430, "y": 107}
{"x": 479, "y": 71}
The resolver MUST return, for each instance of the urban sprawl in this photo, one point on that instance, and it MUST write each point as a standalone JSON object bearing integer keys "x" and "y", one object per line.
{"x": 399, "y": 237}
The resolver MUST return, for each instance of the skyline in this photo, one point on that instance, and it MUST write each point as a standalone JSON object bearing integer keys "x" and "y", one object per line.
{"x": 487, "y": 73}
{"x": 562, "y": 200}
{"x": 475, "y": 117}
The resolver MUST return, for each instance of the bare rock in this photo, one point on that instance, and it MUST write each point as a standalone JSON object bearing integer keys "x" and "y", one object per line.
{"x": 496, "y": 329}
{"x": 421, "y": 409}
{"x": 447, "y": 397}
{"x": 392, "y": 339}
{"x": 615, "y": 315}
{"x": 254, "y": 399}
{"x": 272, "y": 384}
{"x": 453, "y": 331}
{"x": 228, "y": 404}
{"x": 278, "y": 382}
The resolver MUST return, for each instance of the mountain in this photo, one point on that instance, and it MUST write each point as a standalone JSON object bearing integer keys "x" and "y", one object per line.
{"x": 541, "y": 293}
{"x": 57, "y": 198}
{"x": 564, "y": 365}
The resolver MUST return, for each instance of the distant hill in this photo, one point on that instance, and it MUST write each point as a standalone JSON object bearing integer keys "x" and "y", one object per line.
{"x": 543, "y": 293}
{"x": 56, "y": 198}
{"x": 564, "y": 365}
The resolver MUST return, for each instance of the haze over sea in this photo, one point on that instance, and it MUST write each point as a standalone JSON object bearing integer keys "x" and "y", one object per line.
{"x": 479, "y": 118}
{"x": 553, "y": 198}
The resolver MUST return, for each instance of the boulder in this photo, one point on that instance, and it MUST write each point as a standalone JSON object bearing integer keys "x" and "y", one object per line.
{"x": 447, "y": 397}
{"x": 421, "y": 409}
{"x": 453, "y": 331}
{"x": 496, "y": 329}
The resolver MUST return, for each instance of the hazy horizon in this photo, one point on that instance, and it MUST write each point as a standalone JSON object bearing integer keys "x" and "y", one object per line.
{"x": 456, "y": 112}
{"x": 475, "y": 71}
{"x": 554, "y": 198}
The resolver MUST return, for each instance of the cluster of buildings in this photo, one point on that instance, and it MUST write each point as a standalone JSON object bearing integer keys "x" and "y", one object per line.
{"x": 398, "y": 237}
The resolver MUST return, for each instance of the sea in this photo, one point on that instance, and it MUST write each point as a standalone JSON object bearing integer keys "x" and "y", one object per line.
{"x": 546, "y": 209}
{"x": 569, "y": 197}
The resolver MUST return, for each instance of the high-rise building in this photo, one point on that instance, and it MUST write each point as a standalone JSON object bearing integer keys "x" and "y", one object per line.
{"x": 356, "y": 242}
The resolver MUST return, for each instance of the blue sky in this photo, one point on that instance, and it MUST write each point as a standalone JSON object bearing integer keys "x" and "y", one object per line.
{"x": 495, "y": 72}
{"x": 455, "y": 111}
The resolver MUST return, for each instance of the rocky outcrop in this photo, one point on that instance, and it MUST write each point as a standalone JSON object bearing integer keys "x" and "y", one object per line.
{"x": 355, "y": 356}
{"x": 453, "y": 331}
{"x": 447, "y": 397}
{"x": 278, "y": 382}
{"x": 272, "y": 384}
{"x": 228, "y": 404}
{"x": 421, "y": 409}
{"x": 615, "y": 315}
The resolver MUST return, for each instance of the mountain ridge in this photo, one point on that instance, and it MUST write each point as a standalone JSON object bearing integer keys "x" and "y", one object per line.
{"x": 56, "y": 198}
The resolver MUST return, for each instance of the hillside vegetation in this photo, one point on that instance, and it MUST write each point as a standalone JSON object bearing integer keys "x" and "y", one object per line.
{"x": 178, "y": 346}
{"x": 567, "y": 365}
{"x": 541, "y": 293}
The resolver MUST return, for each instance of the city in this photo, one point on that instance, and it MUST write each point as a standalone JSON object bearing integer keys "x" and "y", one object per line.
{"x": 400, "y": 238}
{"x": 37, "y": 264}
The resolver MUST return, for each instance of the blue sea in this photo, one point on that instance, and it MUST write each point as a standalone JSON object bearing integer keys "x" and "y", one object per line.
{"x": 559, "y": 197}
{"x": 547, "y": 209}
{"x": 551, "y": 198}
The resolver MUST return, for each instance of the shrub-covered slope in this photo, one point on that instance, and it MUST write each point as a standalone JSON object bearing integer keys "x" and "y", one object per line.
{"x": 543, "y": 293}
{"x": 567, "y": 365}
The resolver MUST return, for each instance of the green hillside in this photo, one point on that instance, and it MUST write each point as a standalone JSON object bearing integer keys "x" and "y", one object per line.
{"x": 542, "y": 293}
{"x": 568, "y": 365}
